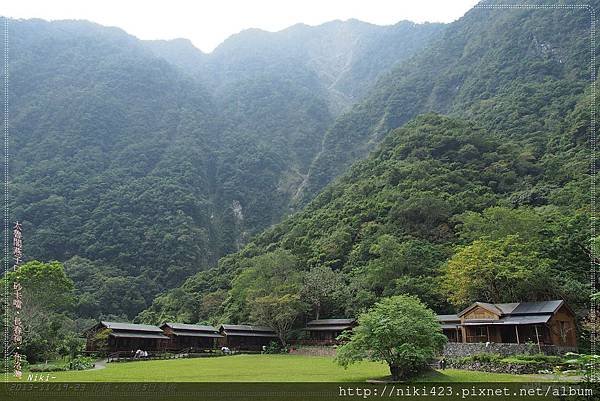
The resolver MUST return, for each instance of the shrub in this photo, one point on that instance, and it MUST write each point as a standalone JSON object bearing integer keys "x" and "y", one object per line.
{"x": 44, "y": 367}
{"x": 400, "y": 331}
{"x": 81, "y": 363}
{"x": 11, "y": 364}
{"x": 584, "y": 365}
{"x": 275, "y": 348}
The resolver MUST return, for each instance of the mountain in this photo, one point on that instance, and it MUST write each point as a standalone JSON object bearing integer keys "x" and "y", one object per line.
{"x": 179, "y": 52}
{"x": 503, "y": 177}
{"x": 111, "y": 155}
{"x": 140, "y": 163}
{"x": 394, "y": 221}
{"x": 346, "y": 57}
{"x": 502, "y": 67}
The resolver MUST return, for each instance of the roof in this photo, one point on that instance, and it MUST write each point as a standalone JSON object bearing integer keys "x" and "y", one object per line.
{"x": 510, "y": 320}
{"x": 338, "y": 322}
{"x": 131, "y": 327}
{"x": 529, "y": 308}
{"x": 517, "y": 308}
{"x": 487, "y": 306}
{"x": 239, "y": 333}
{"x": 448, "y": 318}
{"x": 156, "y": 336}
{"x": 506, "y": 308}
{"x": 245, "y": 327}
{"x": 190, "y": 327}
{"x": 184, "y": 333}
{"x": 330, "y": 324}
{"x": 328, "y": 328}
{"x": 450, "y": 326}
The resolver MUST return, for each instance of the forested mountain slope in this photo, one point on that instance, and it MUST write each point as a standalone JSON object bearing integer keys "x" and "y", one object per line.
{"x": 290, "y": 85}
{"x": 346, "y": 57}
{"x": 445, "y": 207}
{"x": 436, "y": 193}
{"x": 517, "y": 71}
{"x": 136, "y": 172}
{"x": 111, "y": 157}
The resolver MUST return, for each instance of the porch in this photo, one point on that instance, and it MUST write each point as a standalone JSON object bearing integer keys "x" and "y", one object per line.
{"x": 506, "y": 333}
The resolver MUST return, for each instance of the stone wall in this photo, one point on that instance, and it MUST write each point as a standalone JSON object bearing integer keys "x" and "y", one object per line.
{"x": 459, "y": 350}
{"x": 313, "y": 350}
{"x": 511, "y": 368}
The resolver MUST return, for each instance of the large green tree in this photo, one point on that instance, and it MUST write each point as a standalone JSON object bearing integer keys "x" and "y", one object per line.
{"x": 504, "y": 270}
{"x": 321, "y": 287}
{"x": 267, "y": 292}
{"x": 399, "y": 331}
{"x": 48, "y": 299}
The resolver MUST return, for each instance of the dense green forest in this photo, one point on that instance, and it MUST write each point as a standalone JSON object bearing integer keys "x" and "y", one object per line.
{"x": 516, "y": 71}
{"x": 137, "y": 164}
{"x": 303, "y": 173}
{"x": 490, "y": 202}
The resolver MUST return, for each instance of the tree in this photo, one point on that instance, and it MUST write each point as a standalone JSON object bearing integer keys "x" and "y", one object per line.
{"x": 47, "y": 295}
{"x": 268, "y": 292}
{"x": 505, "y": 270}
{"x": 400, "y": 331}
{"x": 277, "y": 312}
{"x": 320, "y": 285}
{"x": 497, "y": 222}
{"x": 397, "y": 259}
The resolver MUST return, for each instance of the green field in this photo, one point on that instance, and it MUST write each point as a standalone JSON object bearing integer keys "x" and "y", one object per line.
{"x": 263, "y": 368}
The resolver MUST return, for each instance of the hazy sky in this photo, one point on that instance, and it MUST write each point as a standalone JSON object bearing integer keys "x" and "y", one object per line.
{"x": 208, "y": 23}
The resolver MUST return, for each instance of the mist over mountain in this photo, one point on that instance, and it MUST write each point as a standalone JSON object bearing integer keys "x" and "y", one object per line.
{"x": 399, "y": 192}
{"x": 172, "y": 183}
{"x": 347, "y": 57}
{"x": 138, "y": 163}
{"x": 515, "y": 71}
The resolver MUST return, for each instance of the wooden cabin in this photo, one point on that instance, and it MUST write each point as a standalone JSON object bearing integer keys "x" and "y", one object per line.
{"x": 326, "y": 331}
{"x": 543, "y": 323}
{"x": 246, "y": 337}
{"x": 451, "y": 327}
{"x": 191, "y": 336}
{"x": 115, "y": 336}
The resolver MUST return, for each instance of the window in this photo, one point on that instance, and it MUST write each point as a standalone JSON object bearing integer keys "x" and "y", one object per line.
{"x": 480, "y": 331}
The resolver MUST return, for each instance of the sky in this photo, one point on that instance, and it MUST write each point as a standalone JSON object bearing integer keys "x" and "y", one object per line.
{"x": 208, "y": 23}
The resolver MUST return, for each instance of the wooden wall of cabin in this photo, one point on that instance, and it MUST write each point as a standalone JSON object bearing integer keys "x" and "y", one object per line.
{"x": 563, "y": 328}
{"x": 133, "y": 344}
{"x": 246, "y": 343}
{"x": 177, "y": 343}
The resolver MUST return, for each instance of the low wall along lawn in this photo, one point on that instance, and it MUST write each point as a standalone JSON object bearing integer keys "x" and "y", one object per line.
{"x": 459, "y": 350}
{"x": 515, "y": 359}
{"x": 313, "y": 350}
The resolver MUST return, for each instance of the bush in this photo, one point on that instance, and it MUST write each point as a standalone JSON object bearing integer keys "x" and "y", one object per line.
{"x": 490, "y": 358}
{"x": 44, "y": 367}
{"x": 516, "y": 364}
{"x": 11, "y": 364}
{"x": 78, "y": 363}
{"x": 536, "y": 358}
{"x": 584, "y": 365}
{"x": 81, "y": 363}
{"x": 275, "y": 348}
{"x": 400, "y": 331}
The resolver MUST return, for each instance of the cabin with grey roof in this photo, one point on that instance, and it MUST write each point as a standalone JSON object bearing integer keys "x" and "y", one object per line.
{"x": 109, "y": 337}
{"x": 191, "y": 337}
{"x": 541, "y": 323}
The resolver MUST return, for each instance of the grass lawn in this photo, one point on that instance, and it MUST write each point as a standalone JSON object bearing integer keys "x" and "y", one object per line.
{"x": 262, "y": 368}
